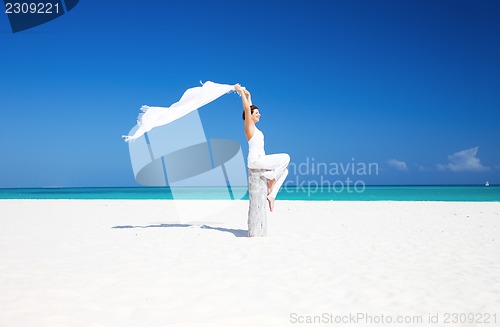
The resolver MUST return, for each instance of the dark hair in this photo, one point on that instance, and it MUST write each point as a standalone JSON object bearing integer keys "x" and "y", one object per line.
{"x": 252, "y": 109}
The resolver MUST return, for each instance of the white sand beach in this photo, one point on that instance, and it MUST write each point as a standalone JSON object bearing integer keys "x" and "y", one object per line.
{"x": 137, "y": 263}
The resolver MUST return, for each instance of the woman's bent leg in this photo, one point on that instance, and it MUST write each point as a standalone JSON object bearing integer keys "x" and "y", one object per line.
{"x": 277, "y": 165}
{"x": 279, "y": 181}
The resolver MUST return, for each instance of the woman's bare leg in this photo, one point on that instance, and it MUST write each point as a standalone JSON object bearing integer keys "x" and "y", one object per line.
{"x": 270, "y": 185}
{"x": 278, "y": 182}
{"x": 270, "y": 200}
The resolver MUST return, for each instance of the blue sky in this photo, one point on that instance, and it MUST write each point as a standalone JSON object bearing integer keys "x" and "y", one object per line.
{"x": 410, "y": 85}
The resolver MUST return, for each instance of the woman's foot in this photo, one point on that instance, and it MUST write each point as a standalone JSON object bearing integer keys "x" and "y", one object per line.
{"x": 270, "y": 199}
{"x": 270, "y": 185}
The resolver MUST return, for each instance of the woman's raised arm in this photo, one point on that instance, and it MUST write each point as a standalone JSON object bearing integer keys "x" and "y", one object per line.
{"x": 246, "y": 100}
{"x": 248, "y": 95}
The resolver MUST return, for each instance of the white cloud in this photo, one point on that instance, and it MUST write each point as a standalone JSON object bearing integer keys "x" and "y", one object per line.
{"x": 464, "y": 160}
{"x": 399, "y": 165}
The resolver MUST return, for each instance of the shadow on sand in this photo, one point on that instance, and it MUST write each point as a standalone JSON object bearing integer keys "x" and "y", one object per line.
{"x": 235, "y": 232}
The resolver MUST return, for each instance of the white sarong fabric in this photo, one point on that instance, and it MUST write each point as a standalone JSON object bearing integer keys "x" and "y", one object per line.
{"x": 192, "y": 99}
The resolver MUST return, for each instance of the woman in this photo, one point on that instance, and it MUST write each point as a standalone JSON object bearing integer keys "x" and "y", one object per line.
{"x": 276, "y": 164}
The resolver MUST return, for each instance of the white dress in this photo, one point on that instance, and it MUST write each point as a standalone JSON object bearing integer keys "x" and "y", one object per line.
{"x": 276, "y": 164}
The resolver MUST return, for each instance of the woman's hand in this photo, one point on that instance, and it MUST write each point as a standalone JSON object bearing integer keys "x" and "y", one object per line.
{"x": 247, "y": 93}
{"x": 237, "y": 87}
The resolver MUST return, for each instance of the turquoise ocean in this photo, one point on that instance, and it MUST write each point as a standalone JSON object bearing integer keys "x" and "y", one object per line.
{"x": 473, "y": 193}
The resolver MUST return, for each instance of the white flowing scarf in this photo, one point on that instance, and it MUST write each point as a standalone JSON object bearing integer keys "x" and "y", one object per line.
{"x": 192, "y": 99}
